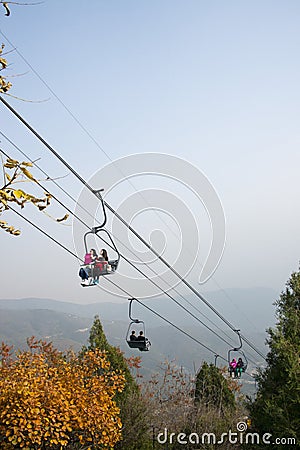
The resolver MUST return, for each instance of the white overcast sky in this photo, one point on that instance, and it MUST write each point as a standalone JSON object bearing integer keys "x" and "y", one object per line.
{"x": 214, "y": 83}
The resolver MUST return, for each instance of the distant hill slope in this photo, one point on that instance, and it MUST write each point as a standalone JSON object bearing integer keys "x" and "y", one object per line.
{"x": 64, "y": 330}
{"x": 248, "y": 309}
{"x": 67, "y": 326}
{"x": 69, "y": 330}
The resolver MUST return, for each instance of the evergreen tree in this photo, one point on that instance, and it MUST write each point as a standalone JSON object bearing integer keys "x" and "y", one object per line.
{"x": 276, "y": 409}
{"x": 135, "y": 426}
{"x": 97, "y": 339}
{"x": 212, "y": 389}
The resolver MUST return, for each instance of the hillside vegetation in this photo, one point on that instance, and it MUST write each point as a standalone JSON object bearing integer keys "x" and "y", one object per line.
{"x": 44, "y": 389}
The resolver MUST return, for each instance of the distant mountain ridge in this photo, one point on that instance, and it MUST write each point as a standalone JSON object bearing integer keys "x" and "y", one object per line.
{"x": 247, "y": 307}
{"x": 67, "y": 325}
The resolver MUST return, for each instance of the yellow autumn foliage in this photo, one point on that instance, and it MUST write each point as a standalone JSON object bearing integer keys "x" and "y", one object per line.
{"x": 10, "y": 195}
{"x": 4, "y": 84}
{"x": 55, "y": 400}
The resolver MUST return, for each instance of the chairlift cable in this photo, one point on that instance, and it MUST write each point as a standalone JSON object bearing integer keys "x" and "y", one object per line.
{"x": 73, "y": 116}
{"x": 126, "y": 259}
{"x": 83, "y": 128}
{"x": 164, "y": 292}
{"x": 110, "y": 281}
{"x": 78, "y": 218}
{"x": 46, "y": 174}
{"x": 166, "y": 320}
{"x": 75, "y": 173}
{"x": 168, "y": 295}
{"x": 44, "y": 232}
{"x": 52, "y": 195}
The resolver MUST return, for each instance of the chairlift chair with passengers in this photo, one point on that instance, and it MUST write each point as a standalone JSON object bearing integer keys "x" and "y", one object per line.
{"x": 236, "y": 353}
{"x": 100, "y": 268}
{"x": 142, "y": 344}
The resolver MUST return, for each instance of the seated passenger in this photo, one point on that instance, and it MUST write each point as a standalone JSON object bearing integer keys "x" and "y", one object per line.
{"x": 232, "y": 367}
{"x": 133, "y": 336}
{"x": 239, "y": 367}
{"x": 88, "y": 271}
{"x": 141, "y": 336}
{"x": 104, "y": 254}
{"x": 88, "y": 258}
{"x": 100, "y": 268}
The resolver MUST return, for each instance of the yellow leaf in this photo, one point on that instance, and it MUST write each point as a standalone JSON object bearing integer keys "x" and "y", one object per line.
{"x": 27, "y": 174}
{"x": 3, "y": 63}
{"x": 14, "y": 162}
{"x": 19, "y": 193}
{"x": 4, "y": 194}
{"x": 9, "y": 165}
{"x": 63, "y": 218}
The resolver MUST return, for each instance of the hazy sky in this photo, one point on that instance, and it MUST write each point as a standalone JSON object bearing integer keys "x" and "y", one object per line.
{"x": 213, "y": 83}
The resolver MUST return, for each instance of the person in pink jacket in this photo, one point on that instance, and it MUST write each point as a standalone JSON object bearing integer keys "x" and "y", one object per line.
{"x": 232, "y": 367}
{"x": 87, "y": 271}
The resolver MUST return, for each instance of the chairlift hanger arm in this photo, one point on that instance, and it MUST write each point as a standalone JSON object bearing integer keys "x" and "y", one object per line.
{"x": 98, "y": 194}
{"x": 94, "y": 230}
{"x": 236, "y": 349}
{"x": 130, "y": 309}
{"x": 216, "y": 357}
{"x": 240, "y": 339}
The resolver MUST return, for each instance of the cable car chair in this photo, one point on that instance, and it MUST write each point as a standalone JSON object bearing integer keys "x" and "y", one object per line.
{"x": 100, "y": 268}
{"x": 242, "y": 355}
{"x": 142, "y": 344}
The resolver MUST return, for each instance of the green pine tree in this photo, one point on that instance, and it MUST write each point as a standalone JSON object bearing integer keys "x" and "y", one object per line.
{"x": 133, "y": 410}
{"x": 212, "y": 389}
{"x": 276, "y": 409}
{"x": 97, "y": 339}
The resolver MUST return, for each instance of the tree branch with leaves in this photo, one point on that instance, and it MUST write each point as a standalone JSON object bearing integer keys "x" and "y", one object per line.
{"x": 4, "y": 84}
{"x": 17, "y": 172}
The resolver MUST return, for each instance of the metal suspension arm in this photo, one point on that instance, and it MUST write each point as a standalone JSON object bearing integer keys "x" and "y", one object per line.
{"x": 130, "y": 308}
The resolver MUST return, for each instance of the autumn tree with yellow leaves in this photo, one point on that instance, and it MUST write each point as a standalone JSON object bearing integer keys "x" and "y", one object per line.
{"x": 55, "y": 400}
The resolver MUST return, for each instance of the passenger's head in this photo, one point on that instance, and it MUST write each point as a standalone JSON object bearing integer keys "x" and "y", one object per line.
{"x": 133, "y": 332}
{"x": 93, "y": 252}
{"x": 103, "y": 253}
{"x": 141, "y": 333}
